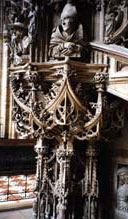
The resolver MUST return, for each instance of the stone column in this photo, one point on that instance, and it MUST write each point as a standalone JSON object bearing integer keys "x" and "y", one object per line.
{"x": 3, "y": 91}
{"x": 91, "y": 185}
{"x": 62, "y": 184}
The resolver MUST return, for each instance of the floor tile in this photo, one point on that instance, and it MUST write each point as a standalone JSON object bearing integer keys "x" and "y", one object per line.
{"x": 17, "y": 214}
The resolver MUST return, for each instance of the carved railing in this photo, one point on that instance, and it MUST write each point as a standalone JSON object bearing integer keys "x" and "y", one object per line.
{"x": 117, "y": 59}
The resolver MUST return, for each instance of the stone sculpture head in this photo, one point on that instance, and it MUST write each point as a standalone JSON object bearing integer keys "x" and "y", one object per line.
{"x": 69, "y": 19}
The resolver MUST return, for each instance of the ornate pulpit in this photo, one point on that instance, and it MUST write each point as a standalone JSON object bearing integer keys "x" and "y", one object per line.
{"x": 59, "y": 103}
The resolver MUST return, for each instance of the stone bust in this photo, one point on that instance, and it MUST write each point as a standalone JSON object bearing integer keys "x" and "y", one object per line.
{"x": 67, "y": 38}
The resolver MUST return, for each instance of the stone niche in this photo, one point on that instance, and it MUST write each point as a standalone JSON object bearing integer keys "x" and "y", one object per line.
{"x": 122, "y": 192}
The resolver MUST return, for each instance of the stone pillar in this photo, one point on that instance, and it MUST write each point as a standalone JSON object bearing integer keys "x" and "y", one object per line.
{"x": 91, "y": 185}
{"x": 3, "y": 92}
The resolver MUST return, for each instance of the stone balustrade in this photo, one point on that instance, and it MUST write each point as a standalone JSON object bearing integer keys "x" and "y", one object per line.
{"x": 117, "y": 59}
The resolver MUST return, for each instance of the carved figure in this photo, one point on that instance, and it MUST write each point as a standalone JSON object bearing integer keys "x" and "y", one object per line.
{"x": 122, "y": 191}
{"x": 12, "y": 12}
{"x": 67, "y": 38}
{"x": 32, "y": 20}
{"x": 122, "y": 198}
{"x": 16, "y": 42}
{"x": 22, "y": 24}
{"x": 109, "y": 25}
{"x": 19, "y": 43}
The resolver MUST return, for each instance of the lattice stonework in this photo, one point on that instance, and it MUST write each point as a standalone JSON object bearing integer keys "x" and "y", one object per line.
{"x": 59, "y": 103}
{"x": 49, "y": 105}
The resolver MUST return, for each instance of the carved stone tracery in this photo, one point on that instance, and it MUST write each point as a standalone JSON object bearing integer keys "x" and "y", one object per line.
{"x": 57, "y": 102}
{"x": 57, "y": 112}
{"x": 90, "y": 187}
